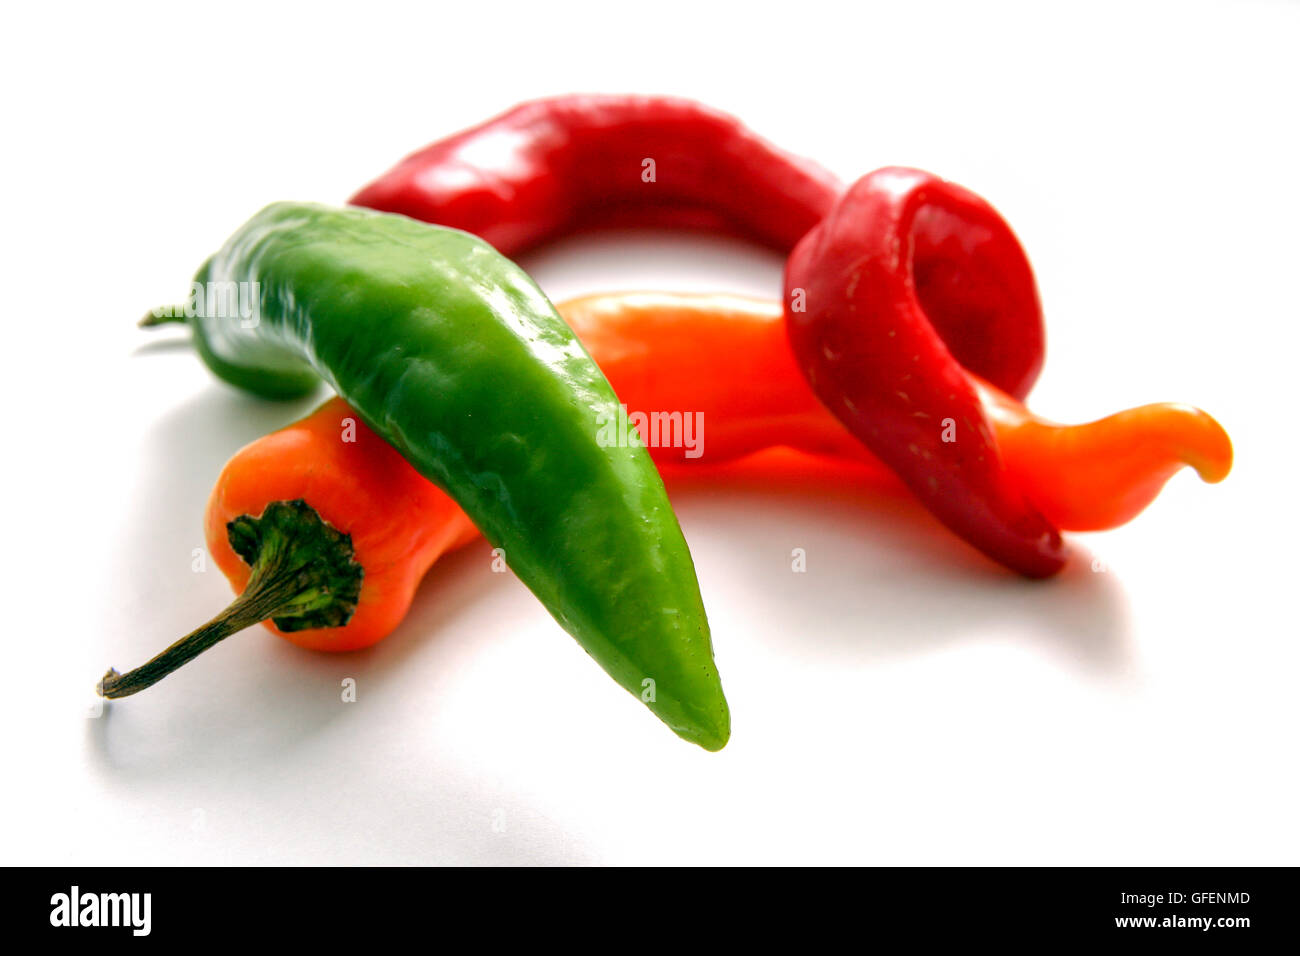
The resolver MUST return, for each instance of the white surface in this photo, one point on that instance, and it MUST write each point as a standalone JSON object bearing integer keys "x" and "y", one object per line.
{"x": 897, "y": 703}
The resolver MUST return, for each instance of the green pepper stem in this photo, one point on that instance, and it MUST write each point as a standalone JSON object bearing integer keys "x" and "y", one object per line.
{"x": 303, "y": 576}
{"x": 168, "y": 315}
{"x": 261, "y": 600}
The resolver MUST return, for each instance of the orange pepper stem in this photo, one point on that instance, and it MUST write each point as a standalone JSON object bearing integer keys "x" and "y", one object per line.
{"x": 304, "y": 576}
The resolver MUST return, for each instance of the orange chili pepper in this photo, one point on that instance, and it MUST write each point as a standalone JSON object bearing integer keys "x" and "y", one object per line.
{"x": 723, "y": 358}
{"x": 727, "y": 357}
{"x": 400, "y": 522}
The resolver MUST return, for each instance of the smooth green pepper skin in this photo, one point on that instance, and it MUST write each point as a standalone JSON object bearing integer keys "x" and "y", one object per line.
{"x": 451, "y": 353}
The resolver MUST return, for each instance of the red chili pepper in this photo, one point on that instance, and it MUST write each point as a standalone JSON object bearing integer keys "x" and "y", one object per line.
{"x": 906, "y": 281}
{"x": 551, "y": 167}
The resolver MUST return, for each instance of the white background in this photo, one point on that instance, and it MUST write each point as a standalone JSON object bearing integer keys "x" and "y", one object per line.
{"x": 898, "y": 703}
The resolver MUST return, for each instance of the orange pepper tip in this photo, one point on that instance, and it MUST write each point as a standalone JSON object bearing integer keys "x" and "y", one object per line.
{"x": 1191, "y": 435}
{"x": 1219, "y": 463}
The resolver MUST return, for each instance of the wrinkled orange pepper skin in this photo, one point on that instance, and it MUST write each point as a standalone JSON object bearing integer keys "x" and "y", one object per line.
{"x": 726, "y": 357}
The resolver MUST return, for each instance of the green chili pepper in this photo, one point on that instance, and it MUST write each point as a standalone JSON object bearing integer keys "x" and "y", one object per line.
{"x": 452, "y": 354}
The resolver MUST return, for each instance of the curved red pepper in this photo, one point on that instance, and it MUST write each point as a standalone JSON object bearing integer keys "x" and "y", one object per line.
{"x": 549, "y": 167}
{"x": 904, "y": 264}
{"x": 554, "y": 166}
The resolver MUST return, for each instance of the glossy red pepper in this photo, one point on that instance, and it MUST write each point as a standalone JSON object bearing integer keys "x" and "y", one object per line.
{"x": 553, "y": 166}
{"x": 882, "y": 333}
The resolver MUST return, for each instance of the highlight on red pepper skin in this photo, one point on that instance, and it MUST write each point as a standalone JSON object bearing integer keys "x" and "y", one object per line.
{"x": 877, "y": 358}
{"x": 553, "y": 166}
